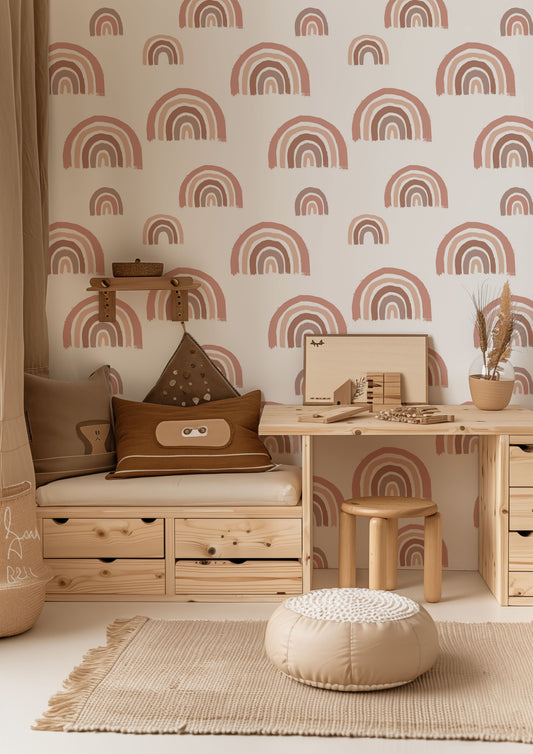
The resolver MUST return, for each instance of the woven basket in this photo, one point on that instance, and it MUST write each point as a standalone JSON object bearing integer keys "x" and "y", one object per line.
{"x": 137, "y": 269}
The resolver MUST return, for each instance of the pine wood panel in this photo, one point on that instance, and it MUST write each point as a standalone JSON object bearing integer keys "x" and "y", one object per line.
{"x": 101, "y": 538}
{"x": 165, "y": 511}
{"x": 521, "y": 584}
{"x": 521, "y": 508}
{"x": 238, "y": 538}
{"x": 249, "y": 577}
{"x": 521, "y": 466}
{"x": 520, "y": 551}
{"x": 93, "y": 576}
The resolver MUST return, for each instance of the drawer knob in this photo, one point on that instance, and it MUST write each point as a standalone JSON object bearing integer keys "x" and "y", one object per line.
{"x": 211, "y": 550}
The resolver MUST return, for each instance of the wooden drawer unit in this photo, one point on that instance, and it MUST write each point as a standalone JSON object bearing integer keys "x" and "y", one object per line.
{"x": 238, "y": 538}
{"x": 521, "y": 551}
{"x": 521, "y": 465}
{"x": 75, "y": 576}
{"x": 520, "y": 544}
{"x": 266, "y": 577}
{"x": 520, "y": 587}
{"x": 103, "y": 537}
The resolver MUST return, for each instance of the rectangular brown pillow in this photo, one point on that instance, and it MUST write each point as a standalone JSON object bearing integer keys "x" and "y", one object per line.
{"x": 155, "y": 440}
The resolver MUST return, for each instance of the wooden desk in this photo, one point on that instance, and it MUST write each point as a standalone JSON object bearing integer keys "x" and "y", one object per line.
{"x": 505, "y": 481}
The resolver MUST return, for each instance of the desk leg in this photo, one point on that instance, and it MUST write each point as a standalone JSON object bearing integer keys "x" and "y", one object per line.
{"x": 307, "y": 512}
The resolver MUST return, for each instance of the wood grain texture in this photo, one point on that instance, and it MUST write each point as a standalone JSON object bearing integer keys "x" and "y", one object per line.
{"x": 238, "y": 538}
{"x": 100, "y": 538}
{"x": 92, "y": 576}
{"x": 249, "y": 577}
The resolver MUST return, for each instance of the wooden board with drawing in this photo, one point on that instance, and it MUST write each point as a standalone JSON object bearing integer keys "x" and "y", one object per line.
{"x": 331, "y": 360}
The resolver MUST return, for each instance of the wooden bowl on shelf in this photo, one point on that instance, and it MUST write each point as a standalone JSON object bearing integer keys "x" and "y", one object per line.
{"x": 137, "y": 269}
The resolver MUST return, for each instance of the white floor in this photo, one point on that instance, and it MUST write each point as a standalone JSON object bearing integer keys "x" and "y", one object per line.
{"x": 33, "y": 666}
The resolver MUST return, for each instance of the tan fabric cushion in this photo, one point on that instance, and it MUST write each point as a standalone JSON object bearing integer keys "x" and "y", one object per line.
{"x": 280, "y": 486}
{"x": 69, "y": 425}
{"x": 154, "y": 440}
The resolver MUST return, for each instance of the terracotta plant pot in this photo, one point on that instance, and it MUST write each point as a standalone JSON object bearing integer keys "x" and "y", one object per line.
{"x": 490, "y": 395}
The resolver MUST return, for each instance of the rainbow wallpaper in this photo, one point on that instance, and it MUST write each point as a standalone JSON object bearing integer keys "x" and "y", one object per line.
{"x": 345, "y": 167}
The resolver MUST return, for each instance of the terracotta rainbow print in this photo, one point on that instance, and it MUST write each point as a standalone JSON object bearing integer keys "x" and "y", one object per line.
{"x": 327, "y": 500}
{"x": 367, "y": 47}
{"x": 437, "y": 370}
{"x": 270, "y": 248}
{"x": 82, "y": 328}
{"x": 299, "y": 383}
{"x": 391, "y": 471}
{"x": 311, "y": 201}
{"x": 304, "y": 315}
{"x": 206, "y": 14}
{"x": 206, "y": 302}
{"x": 475, "y": 248}
{"x": 506, "y": 142}
{"x": 456, "y": 445}
{"x": 105, "y": 201}
{"x": 162, "y": 47}
{"x": 320, "y": 559}
{"x": 523, "y": 382}
{"x": 475, "y": 69}
{"x": 227, "y": 362}
{"x": 516, "y": 201}
{"x": 523, "y": 319}
{"x": 74, "y": 249}
{"x": 74, "y": 70}
{"x": 391, "y": 114}
{"x": 102, "y": 142}
{"x": 391, "y": 293}
{"x": 115, "y": 380}
{"x": 282, "y": 445}
{"x": 416, "y": 186}
{"x": 270, "y": 68}
{"x": 371, "y": 226}
{"x": 307, "y": 141}
{"x": 311, "y": 22}
{"x": 516, "y": 22}
{"x": 210, "y": 186}
{"x": 106, "y": 22}
{"x": 186, "y": 114}
{"x": 162, "y": 226}
{"x": 405, "y": 14}
{"x": 411, "y": 547}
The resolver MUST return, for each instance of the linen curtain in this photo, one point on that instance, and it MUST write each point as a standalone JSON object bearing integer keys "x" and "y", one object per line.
{"x": 23, "y": 333}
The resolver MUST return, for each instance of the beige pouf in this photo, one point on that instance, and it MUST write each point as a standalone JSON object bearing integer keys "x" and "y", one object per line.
{"x": 351, "y": 639}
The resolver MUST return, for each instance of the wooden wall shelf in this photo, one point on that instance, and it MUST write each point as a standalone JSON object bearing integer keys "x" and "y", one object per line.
{"x": 108, "y": 286}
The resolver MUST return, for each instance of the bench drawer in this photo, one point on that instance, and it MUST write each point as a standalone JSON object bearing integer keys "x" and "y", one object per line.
{"x": 521, "y": 584}
{"x": 521, "y": 551}
{"x": 238, "y": 538}
{"x": 248, "y": 577}
{"x": 521, "y": 465}
{"x": 103, "y": 538}
{"x": 95, "y": 576}
{"x": 521, "y": 509}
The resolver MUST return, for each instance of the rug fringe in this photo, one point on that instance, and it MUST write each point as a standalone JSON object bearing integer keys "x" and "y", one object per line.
{"x": 63, "y": 707}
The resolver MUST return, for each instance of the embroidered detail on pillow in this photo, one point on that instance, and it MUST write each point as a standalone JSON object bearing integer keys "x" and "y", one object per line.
{"x": 155, "y": 440}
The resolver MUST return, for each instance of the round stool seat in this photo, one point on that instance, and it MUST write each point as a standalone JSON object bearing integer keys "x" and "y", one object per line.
{"x": 351, "y": 639}
{"x": 389, "y": 507}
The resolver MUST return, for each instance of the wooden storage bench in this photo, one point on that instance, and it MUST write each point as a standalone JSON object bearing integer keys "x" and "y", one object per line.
{"x": 521, "y": 520}
{"x": 202, "y": 537}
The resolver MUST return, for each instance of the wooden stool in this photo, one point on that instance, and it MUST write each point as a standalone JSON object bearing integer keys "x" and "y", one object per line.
{"x": 384, "y": 513}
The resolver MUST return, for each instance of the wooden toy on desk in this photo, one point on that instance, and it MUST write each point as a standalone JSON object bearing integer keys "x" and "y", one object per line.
{"x": 384, "y": 389}
{"x": 328, "y": 415}
{"x": 415, "y": 415}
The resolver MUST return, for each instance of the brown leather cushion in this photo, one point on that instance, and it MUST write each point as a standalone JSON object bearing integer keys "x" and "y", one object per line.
{"x": 69, "y": 425}
{"x": 154, "y": 440}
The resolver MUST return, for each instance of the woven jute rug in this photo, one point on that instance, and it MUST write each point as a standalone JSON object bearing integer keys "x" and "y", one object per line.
{"x": 158, "y": 676}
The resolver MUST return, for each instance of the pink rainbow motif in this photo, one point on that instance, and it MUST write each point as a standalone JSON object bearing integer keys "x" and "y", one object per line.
{"x": 311, "y": 22}
{"x": 206, "y": 302}
{"x": 102, "y": 141}
{"x": 327, "y": 499}
{"x": 416, "y": 186}
{"x": 411, "y": 547}
{"x": 74, "y": 249}
{"x": 115, "y": 380}
{"x": 282, "y": 445}
{"x": 437, "y": 370}
{"x": 307, "y": 141}
{"x": 311, "y": 201}
{"x": 523, "y": 318}
{"x": 270, "y": 68}
{"x": 299, "y": 383}
{"x": 301, "y": 315}
{"x": 74, "y": 70}
{"x": 456, "y": 445}
{"x": 105, "y": 201}
{"x": 506, "y": 142}
{"x": 210, "y": 186}
{"x": 362, "y": 47}
{"x": 391, "y": 114}
{"x": 205, "y": 14}
{"x": 475, "y": 516}
{"x": 391, "y": 293}
{"x": 162, "y": 46}
{"x": 523, "y": 382}
{"x": 391, "y": 471}
{"x": 320, "y": 559}
{"x": 226, "y": 362}
{"x": 475, "y": 247}
{"x": 371, "y": 225}
{"x": 270, "y": 248}
{"x": 475, "y": 69}
{"x": 516, "y": 201}
{"x": 516, "y": 22}
{"x": 104, "y": 22}
{"x": 186, "y": 114}
{"x": 404, "y": 14}
{"x": 82, "y": 328}
{"x": 162, "y": 225}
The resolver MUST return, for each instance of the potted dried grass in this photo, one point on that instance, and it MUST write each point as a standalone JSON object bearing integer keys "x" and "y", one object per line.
{"x": 491, "y": 375}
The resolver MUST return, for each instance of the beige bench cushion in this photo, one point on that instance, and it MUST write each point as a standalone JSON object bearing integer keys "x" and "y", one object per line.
{"x": 279, "y": 486}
